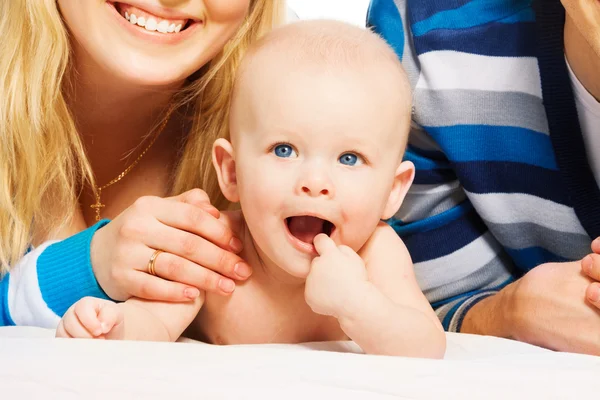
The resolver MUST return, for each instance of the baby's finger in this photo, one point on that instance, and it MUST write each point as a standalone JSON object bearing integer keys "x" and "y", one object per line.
{"x": 323, "y": 244}
{"x": 86, "y": 311}
{"x": 110, "y": 317}
{"x": 61, "y": 332}
{"x": 348, "y": 251}
{"x": 75, "y": 328}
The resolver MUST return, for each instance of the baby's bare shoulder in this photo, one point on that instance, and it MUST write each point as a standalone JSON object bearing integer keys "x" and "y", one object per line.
{"x": 383, "y": 240}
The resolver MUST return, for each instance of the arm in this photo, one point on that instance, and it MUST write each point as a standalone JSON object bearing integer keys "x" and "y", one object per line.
{"x": 110, "y": 261}
{"x": 48, "y": 280}
{"x": 380, "y": 306}
{"x": 390, "y": 314}
{"x": 157, "y": 321}
{"x": 135, "y": 319}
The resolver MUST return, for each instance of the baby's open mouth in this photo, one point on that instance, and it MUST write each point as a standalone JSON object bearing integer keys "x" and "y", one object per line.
{"x": 150, "y": 22}
{"x": 305, "y": 228}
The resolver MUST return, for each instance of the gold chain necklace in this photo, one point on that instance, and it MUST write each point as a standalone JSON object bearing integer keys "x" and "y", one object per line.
{"x": 98, "y": 189}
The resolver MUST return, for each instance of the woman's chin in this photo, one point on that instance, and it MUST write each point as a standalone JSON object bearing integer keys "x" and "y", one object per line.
{"x": 148, "y": 72}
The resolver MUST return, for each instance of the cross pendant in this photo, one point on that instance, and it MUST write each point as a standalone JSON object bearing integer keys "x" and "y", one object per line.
{"x": 97, "y": 207}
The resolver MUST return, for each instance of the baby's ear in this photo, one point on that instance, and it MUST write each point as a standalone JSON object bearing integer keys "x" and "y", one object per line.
{"x": 224, "y": 163}
{"x": 402, "y": 181}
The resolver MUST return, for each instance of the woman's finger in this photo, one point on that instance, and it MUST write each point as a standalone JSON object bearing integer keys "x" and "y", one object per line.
{"x": 149, "y": 287}
{"x": 175, "y": 268}
{"x": 197, "y": 250}
{"x": 195, "y": 220}
{"x": 198, "y": 198}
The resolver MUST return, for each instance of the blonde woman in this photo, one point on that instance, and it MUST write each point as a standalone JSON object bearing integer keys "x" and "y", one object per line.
{"x": 101, "y": 162}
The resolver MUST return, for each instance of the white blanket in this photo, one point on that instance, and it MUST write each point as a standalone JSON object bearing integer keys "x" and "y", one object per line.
{"x": 36, "y": 366}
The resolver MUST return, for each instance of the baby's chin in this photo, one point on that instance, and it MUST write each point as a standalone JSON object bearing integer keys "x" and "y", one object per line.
{"x": 297, "y": 267}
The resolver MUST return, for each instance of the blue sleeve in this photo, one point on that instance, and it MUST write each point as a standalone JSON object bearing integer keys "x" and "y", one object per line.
{"x": 49, "y": 279}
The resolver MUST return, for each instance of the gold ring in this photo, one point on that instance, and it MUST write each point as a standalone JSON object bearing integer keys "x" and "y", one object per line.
{"x": 152, "y": 261}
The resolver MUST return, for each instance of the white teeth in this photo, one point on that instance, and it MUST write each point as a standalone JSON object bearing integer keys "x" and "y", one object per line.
{"x": 163, "y": 27}
{"x": 151, "y": 25}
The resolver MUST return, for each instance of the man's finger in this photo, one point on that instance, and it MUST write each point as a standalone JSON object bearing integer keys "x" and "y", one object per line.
{"x": 323, "y": 244}
{"x": 590, "y": 265}
{"x": 593, "y": 294}
{"x": 596, "y": 246}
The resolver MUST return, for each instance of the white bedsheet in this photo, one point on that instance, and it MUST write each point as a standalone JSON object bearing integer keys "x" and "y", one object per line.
{"x": 36, "y": 366}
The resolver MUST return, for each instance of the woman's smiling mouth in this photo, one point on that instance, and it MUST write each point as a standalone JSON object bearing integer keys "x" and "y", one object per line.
{"x": 151, "y": 22}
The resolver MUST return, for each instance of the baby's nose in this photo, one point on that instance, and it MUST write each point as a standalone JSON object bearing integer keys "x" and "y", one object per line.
{"x": 316, "y": 186}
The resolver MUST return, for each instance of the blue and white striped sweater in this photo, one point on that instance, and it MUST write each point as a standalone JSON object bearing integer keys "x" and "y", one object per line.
{"x": 48, "y": 280}
{"x": 489, "y": 201}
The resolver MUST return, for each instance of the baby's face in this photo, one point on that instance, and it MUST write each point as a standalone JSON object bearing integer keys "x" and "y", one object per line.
{"x": 316, "y": 153}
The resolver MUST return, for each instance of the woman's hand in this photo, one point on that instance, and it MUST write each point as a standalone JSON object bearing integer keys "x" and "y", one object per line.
{"x": 198, "y": 250}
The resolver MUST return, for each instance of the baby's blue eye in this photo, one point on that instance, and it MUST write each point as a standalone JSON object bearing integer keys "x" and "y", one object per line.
{"x": 350, "y": 159}
{"x": 284, "y": 151}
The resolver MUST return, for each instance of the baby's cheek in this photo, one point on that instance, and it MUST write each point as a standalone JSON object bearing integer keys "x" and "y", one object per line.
{"x": 360, "y": 225}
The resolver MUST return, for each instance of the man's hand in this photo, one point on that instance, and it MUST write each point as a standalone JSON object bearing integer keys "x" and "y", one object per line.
{"x": 337, "y": 276}
{"x": 590, "y": 265}
{"x": 546, "y": 307}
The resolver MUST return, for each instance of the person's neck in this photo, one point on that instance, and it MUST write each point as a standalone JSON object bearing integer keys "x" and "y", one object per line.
{"x": 584, "y": 61}
{"x": 113, "y": 116}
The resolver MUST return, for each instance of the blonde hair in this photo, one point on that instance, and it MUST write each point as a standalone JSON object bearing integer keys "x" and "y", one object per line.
{"x": 42, "y": 160}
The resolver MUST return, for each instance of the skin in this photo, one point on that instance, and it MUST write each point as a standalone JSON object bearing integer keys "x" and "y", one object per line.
{"x": 356, "y": 284}
{"x": 556, "y": 305}
{"x": 124, "y": 83}
{"x": 582, "y": 42}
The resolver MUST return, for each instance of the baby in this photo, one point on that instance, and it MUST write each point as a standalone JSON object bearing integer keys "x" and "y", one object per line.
{"x": 319, "y": 122}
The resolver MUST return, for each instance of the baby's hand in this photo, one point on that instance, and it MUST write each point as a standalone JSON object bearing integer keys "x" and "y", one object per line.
{"x": 92, "y": 318}
{"x": 336, "y": 275}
